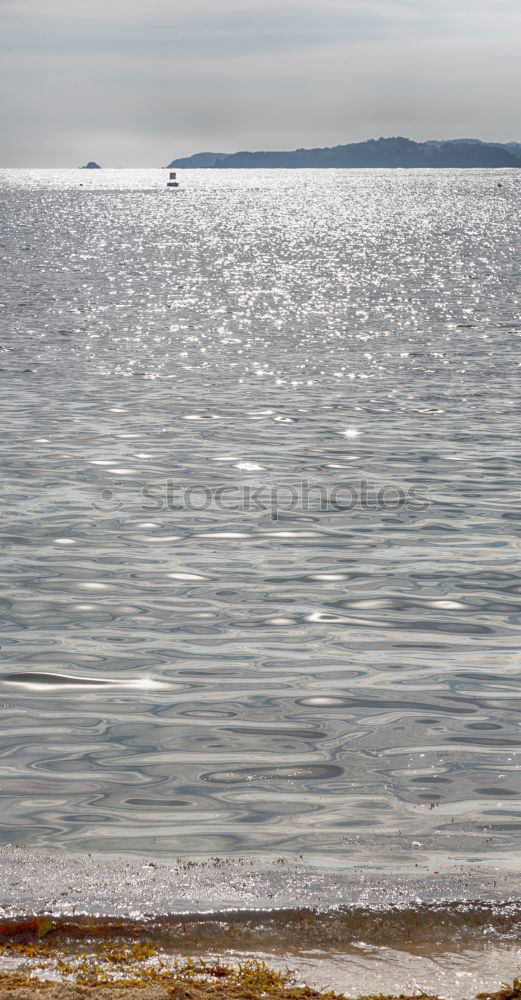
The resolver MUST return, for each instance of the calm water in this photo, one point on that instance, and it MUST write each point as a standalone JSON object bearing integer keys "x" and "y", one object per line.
{"x": 261, "y": 527}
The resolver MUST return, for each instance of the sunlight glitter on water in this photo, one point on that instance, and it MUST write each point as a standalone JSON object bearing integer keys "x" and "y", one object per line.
{"x": 354, "y": 671}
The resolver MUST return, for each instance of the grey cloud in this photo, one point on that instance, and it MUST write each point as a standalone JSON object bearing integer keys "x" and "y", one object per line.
{"x": 138, "y": 83}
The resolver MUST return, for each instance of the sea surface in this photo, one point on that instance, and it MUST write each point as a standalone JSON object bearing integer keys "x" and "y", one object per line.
{"x": 261, "y": 515}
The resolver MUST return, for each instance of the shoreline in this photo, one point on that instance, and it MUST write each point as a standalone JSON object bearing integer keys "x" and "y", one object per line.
{"x": 452, "y": 934}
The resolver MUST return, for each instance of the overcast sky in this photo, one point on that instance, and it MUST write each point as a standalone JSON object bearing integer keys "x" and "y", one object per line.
{"x": 137, "y": 82}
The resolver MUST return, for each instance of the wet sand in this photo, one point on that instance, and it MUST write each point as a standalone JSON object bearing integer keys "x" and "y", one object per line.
{"x": 182, "y": 988}
{"x": 178, "y": 991}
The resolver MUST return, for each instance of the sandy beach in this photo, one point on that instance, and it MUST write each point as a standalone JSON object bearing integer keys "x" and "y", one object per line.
{"x": 218, "y": 983}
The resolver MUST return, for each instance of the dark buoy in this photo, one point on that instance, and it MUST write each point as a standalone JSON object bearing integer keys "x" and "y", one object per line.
{"x": 173, "y": 182}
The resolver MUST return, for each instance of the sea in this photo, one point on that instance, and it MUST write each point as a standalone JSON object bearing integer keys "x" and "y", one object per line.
{"x": 261, "y": 520}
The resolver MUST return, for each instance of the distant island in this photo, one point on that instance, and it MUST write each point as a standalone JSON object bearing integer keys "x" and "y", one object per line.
{"x": 395, "y": 152}
{"x": 91, "y": 166}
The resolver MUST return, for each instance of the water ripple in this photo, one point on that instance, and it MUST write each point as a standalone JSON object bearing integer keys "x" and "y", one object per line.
{"x": 338, "y": 675}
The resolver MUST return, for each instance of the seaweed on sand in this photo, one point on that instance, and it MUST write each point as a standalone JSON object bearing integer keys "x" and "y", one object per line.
{"x": 139, "y": 972}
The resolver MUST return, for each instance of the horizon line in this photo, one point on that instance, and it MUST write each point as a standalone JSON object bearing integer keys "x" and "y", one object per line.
{"x": 273, "y": 149}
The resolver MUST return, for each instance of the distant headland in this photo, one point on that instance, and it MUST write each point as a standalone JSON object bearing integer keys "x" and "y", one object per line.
{"x": 394, "y": 152}
{"x": 91, "y": 165}
{"x": 203, "y": 160}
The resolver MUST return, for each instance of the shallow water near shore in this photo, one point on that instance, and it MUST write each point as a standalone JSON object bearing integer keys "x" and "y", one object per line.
{"x": 336, "y": 672}
{"x": 450, "y": 936}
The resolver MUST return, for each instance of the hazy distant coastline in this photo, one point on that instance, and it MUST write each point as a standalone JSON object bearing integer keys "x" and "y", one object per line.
{"x": 393, "y": 152}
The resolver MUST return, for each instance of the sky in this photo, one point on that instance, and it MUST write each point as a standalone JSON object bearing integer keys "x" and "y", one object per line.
{"x": 139, "y": 82}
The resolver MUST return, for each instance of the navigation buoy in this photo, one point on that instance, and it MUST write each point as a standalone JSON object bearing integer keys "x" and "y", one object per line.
{"x": 173, "y": 182}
